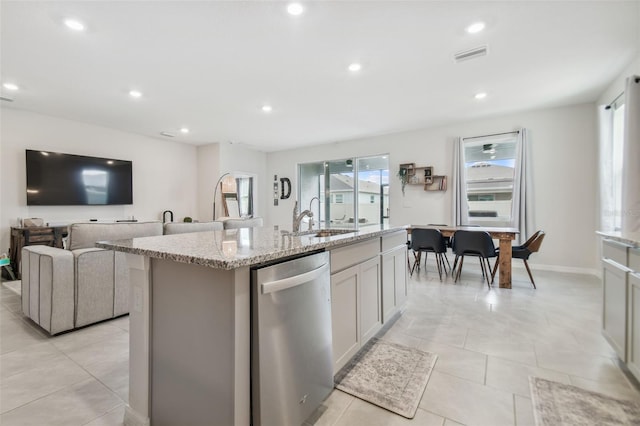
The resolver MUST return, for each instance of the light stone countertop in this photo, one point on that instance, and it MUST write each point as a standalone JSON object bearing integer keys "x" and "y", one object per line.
{"x": 235, "y": 248}
{"x": 630, "y": 238}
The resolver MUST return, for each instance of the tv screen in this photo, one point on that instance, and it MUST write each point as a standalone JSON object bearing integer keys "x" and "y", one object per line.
{"x": 55, "y": 179}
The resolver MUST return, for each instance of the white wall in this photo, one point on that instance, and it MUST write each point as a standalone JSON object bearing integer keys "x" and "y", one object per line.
{"x": 564, "y": 159}
{"x": 164, "y": 172}
{"x": 216, "y": 159}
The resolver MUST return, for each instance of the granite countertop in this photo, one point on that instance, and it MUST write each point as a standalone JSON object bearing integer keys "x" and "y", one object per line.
{"x": 235, "y": 248}
{"x": 630, "y": 238}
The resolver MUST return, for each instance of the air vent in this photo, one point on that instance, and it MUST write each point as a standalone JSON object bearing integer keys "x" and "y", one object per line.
{"x": 6, "y": 99}
{"x": 167, "y": 134}
{"x": 471, "y": 54}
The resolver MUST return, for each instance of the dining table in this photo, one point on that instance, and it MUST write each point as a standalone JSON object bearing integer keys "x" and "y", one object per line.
{"x": 505, "y": 236}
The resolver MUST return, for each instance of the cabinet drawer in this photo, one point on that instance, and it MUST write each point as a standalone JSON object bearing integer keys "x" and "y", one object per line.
{"x": 615, "y": 251}
{"x": 344, "y": 257}
{"x": 393, "y": 240}
{"x": 634, "y": 259}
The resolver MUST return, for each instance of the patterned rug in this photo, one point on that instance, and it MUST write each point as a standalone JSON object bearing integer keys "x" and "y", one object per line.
{"x": 389, "y": 375}
{"x": 557, "y": 404}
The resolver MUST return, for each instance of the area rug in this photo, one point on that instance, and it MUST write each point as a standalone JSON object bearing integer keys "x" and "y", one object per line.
{"x": 557, "y": 404}
{"x": 389, "y": 375}
{"x": 14, "y": 286}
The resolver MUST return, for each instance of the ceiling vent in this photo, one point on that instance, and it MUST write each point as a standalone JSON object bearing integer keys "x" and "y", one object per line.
{"x": 6, "y": 99}
{"x": 471, "y": 54}
{"x": 167, "y": 134}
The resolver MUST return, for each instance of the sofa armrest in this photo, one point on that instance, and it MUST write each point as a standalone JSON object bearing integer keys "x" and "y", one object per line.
{"x": 48, "y": 291}
{"x": 94, "y": 278}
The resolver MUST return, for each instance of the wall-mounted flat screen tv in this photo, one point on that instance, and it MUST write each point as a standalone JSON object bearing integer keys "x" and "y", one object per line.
{"x": 56, "y": 179}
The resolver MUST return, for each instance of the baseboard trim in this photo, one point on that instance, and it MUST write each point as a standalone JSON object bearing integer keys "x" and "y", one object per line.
{"x": 132, "y": 418}
{"x": 559, "y": 268}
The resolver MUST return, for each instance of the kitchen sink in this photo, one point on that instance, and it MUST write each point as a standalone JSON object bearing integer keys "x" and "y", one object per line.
{"x": 322, "y": 232}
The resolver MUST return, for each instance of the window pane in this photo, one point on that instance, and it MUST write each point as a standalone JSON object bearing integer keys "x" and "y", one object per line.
{"x": 490, "y": 171}
{"x": 373, "y": 199}
{"x": 618, "y": 142}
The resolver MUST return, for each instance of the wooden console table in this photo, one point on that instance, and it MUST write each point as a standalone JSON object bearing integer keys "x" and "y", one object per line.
{"x": 33, "y": 235}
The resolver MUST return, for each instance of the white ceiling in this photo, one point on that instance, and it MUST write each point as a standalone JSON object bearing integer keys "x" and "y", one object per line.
{"x": 211, "y": 65}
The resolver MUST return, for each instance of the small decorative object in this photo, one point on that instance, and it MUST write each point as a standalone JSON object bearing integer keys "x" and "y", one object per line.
{"x": 403, "y": 175}
{"x": 187, "y": 219}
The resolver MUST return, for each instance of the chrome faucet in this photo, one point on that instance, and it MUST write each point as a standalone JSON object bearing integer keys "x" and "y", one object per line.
{"x": 297, "y": 218}
{"x": 311, "y": 221}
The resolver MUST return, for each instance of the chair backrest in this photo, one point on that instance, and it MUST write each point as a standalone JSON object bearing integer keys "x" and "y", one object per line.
{"x": 187, "y": 227}
{"x": 84, "y": 235}
{"x": 428, "y": 239}
{"x": 473, "y": 242}
{"x": 533, "y": 244}
{"x": 243, "y": 223}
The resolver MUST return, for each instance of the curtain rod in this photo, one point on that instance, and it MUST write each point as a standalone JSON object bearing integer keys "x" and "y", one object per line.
{"x": 637, "y": 80}
{"x": 495, "y": 134}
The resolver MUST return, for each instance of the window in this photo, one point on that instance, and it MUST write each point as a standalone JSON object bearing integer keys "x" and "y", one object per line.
{"x": 616, "y": 170}
{"x": 490, "y": 175}
{"x": 346, "y": 189}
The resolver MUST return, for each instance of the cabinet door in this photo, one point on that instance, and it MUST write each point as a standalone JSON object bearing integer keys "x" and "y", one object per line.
{"x": 370, "y": 299}
{"x": 388, "y": 286}
{"x": 614, "y": 315}
{"x": 633, "y": 324}
{"x": 344, "y": 315}
{"x": 400, "y": 277}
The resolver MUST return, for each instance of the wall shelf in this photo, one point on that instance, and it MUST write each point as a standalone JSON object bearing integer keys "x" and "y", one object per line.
{"x": 438, "y": 183}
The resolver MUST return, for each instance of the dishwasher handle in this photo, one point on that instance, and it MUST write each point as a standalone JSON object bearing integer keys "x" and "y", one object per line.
{"x": 277, "y": 285}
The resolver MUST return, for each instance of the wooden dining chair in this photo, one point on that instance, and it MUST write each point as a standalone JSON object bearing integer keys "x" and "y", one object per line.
{"x": 532, "y": 245}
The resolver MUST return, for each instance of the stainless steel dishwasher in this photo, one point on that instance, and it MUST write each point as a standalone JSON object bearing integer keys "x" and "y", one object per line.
{"x": 291, "y": 349}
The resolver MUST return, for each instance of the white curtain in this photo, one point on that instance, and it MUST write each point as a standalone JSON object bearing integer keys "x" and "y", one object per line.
{"x": 459, "y": 207}
{"x": 522, "y": 206}
{"x": 607, "y": 191}
{"x": 631, "y": 161}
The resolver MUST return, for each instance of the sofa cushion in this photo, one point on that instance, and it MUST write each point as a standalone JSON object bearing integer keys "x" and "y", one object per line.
{"x": 186, "y": 227}
{"x": 85, "y": 235}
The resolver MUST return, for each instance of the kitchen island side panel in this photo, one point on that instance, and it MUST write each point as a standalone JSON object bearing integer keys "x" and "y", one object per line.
{"x": 197, "y": 330}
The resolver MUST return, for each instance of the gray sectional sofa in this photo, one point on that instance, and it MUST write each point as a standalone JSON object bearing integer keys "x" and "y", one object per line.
{"x": 63, "y": 289}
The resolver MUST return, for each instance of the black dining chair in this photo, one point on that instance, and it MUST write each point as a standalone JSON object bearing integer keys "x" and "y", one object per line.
{"x": 429, "y": 241}
{"x": 473, "y": 243}
{"x": 532, "y": 245}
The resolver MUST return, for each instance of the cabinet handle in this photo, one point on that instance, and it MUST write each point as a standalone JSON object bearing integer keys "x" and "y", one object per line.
{"x": 616, "y": 265}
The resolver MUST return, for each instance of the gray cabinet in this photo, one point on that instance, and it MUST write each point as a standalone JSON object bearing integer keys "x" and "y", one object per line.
{"x": 356, "y": 312}
{"x": 621, "y": 301}
{"x": 614, "y": 312}
{"x": 394, "y": 281}
{"x": 633, "y": 324}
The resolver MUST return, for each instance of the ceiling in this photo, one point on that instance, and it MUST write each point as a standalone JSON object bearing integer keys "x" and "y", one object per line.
{"x": 211, "y": 66}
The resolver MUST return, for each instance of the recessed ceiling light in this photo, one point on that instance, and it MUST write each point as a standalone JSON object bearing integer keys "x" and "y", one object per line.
{"x": 295, "y": 9}
{"x": 10, "y": 86}
{"x": 267, "y": 108}
{"x": 355, "y": 67}
{"x": 135, "y": 94}
{"x": 74, "y": 24}
{"x": 480, "y": 95}
{"x": 475, "y": 27}
{"x": 184, "y": 130}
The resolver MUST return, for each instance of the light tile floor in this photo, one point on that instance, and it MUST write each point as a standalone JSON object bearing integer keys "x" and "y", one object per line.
{"x": 488, "y": 342}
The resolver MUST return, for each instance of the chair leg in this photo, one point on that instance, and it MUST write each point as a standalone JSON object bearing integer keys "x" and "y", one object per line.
{"x": 439, "y": 267}
{"x": 485, "y": 274}
{"x": 447, "y": 259}
{"x": 495, "y": 268}
{"x": 488, "y": 269}
{"x": 426, "y": 254}
{"x": 459, "y": 269}
{"x": 529, "y": 271}
{"x": 455, "y": 263}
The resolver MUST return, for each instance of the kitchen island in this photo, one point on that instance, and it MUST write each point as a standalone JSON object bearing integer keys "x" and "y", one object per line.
{"x": 190, "y": 316}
